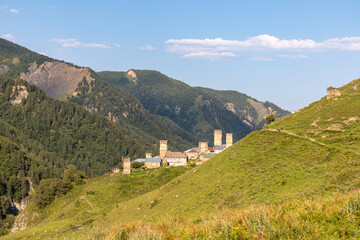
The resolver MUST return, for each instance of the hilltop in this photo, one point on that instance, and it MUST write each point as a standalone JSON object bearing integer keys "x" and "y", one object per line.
{"x": 197, "y": 110}
{"x": 288, "y": 162}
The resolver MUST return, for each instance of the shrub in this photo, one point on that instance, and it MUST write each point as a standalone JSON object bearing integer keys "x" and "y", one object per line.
{"x": 269, "y": 118}
{"x": 137, "y": 164}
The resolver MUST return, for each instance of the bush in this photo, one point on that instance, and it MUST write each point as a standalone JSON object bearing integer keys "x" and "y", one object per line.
{"x": 137, "y": 164}
{"x": 269, "y": 118}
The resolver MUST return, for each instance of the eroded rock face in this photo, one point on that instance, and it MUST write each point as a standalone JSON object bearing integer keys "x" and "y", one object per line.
{"x": 57, "y": 79}
{"x": 132, "y": 75}
{"x": 18, "y": 94}
{"x": 261, "y": 109}
{"x": 230, "y": 106}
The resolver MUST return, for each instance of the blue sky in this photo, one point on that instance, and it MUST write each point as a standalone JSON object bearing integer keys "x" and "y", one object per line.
{"x": 287, "y": 52}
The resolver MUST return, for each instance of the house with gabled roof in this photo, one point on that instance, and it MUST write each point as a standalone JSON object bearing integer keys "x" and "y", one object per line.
{"x": 176, "y": 158}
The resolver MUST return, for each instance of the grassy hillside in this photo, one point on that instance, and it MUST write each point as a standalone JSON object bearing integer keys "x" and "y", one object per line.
{"x": 92, "y": 202}
{"x": 197, "y": 110}
{"x": 296, "y": 175}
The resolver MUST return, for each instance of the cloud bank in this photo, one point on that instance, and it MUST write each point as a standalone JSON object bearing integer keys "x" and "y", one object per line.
{"x": 219, "y": 48}
{"x": 73, "y": 42}
{"x": 14, "y": 11}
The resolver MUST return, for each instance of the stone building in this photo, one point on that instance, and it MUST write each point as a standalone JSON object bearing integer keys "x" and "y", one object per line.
{"x": 163, "y": 150}
{"x": 148, "y": 155}
{"x": 229, "y": 140}
{"x": 217, "y": 137}
{"x": 203, "y": 147}
{"x": 192, "y": 153}
{"x": 332, "y": 92}
{"x": 176, "y": 158}
{"x": 126, "y": 166}
{"x": 219, "y": 148}
{"x": 152, "y": 162}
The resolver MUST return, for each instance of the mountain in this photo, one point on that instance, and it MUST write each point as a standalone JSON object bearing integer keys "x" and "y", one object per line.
{"x": 276, "y": 181}
{"x": 81, "y": 85}
{"x": 197, "y": 110}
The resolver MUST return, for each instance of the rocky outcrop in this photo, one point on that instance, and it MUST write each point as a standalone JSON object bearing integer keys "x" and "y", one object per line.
{"x": 18, "y": 94}
{"x": 3, "y": 69}
{"x": 261, "y": 110}
{"x": 131, "y": 74}
{"x": 230, "y": 106}
{"x": 57, "y": 79}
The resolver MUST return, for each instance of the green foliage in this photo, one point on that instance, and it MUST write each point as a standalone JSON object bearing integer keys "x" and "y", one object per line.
{"x": 197, "y": 110}
{"x": 269, "y": 118}
{"x": 127, "y": 111}
{"x": 61, "y": 133}
{"x": 137, "y": 164}
{"x": 49, "y": 188}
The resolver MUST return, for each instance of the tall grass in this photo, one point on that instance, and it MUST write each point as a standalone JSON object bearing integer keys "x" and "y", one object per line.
{"x": 336, "y": 217}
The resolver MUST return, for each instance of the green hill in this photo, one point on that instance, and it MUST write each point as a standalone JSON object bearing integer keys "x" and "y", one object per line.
{"x": 197, "y": 110}
{"x": 285, "y": 161}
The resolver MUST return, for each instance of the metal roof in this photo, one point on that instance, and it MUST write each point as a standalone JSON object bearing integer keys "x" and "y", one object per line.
{"x": 139, "y": 160}
{"x": 220, "y": 147}
{"x": 153, "y": 160}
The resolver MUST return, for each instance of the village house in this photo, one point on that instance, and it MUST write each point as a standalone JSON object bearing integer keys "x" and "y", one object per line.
{"x": 152, "y": 162}
{"x": 176, "y": 158}
{"x": 192, "y": 153}
{"x": 219, "y": 148}
{"x": 115, "y": 170}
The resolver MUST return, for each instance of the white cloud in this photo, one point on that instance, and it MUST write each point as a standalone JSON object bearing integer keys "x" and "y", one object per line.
{"x": 210, "y": 55}
{"x": 73, "y": 42}
{"x": 14, "y": 11}
{"x": 147, "y": 47}
{"x": 261, "y": 58}
{"x": 117, "y": 45}
{"x": 289, "y": 56}
{"x": 263, "y": 42}
{"x": 8, "y": 36}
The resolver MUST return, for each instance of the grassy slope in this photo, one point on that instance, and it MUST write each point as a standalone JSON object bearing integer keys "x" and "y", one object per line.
{"x": 265, "y": 167}
{"x": 92, "y": 201}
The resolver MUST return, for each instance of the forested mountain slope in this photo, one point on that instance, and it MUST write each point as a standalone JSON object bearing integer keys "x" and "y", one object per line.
{"x": 197, "y": 110}
{"x": 81, "y": 85}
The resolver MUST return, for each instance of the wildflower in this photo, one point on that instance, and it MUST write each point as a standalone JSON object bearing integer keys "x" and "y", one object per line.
{"x": 261, "y": 234}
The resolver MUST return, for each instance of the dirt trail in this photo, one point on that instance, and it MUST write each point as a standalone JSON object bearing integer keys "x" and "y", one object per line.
{"x": 293, "y": 134}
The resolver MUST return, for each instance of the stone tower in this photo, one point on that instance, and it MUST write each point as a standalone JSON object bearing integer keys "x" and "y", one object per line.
{"x": 163, "y": 150}
{"x": 126, "y": 166}
{"x": 332, "y": 92}
{"x": 203, "y": 147}
{"x": 148, "y": 155}
{"x": 229, "y": 140}
{"x": 217, "y": 137}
